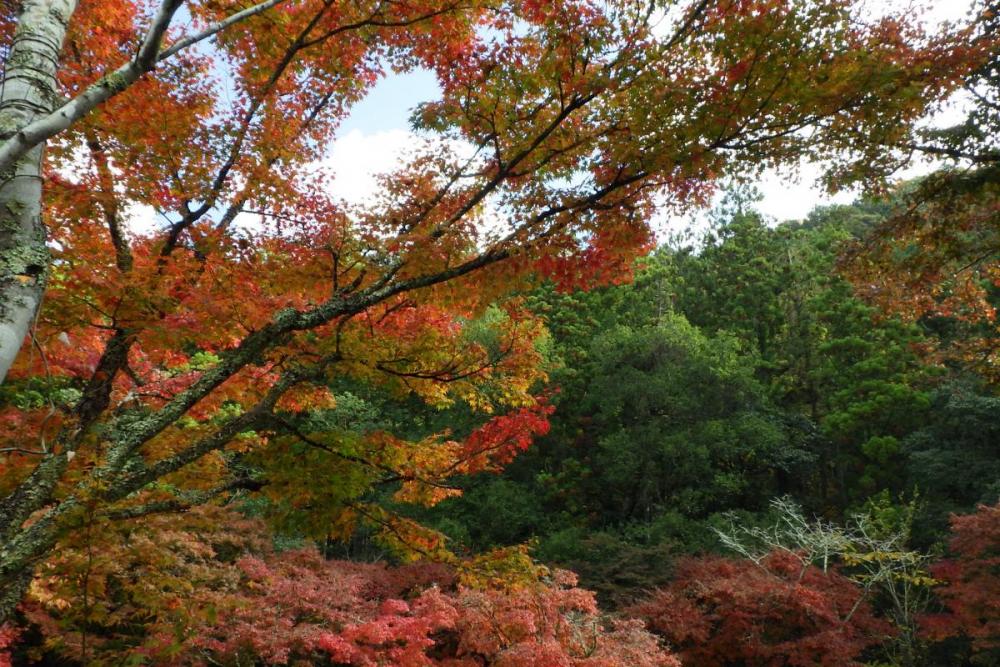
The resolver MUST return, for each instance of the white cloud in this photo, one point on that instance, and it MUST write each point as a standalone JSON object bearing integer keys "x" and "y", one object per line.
{"x": 792, "y": 196}
{"x": 356, "y": 158}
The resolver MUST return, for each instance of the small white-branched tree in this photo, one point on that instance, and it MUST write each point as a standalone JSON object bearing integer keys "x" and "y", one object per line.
{"x": 869, "y": 549}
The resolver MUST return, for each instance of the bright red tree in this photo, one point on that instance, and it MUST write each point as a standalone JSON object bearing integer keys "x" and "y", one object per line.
{"x": 721, "y": 611}
{"x": 971, "y": 590}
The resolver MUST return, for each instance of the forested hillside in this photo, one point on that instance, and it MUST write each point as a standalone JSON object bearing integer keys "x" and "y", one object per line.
{"x": 490, "y": 415}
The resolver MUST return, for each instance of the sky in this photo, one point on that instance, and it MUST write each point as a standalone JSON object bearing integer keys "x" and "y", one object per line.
{"x": 376, "y": 134}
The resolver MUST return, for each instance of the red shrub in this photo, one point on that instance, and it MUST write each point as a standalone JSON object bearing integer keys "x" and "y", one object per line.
{"x": 971, "y": 592}
{"x": 302, "y": 607}
{"x": 720, "y": 611}
{"x": 8, "y": 636}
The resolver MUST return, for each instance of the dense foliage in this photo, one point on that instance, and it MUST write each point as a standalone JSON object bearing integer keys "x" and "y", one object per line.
{"x": 277, "y": 428}
{"x": 206, "y": 590}
{"x": 665, "y": 431}
{"x": 724, "y": 612}
{"x": 971, "y": 585}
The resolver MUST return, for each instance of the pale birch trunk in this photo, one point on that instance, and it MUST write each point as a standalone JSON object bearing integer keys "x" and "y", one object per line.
{"x": 31, "y": 113}
{"x": 29, "y": 92}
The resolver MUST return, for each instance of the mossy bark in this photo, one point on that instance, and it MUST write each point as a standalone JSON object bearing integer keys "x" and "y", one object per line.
{"x": 29, "y": 89}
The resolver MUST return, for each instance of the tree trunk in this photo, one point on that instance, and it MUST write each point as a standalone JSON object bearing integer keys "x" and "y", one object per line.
{"x": 29, "y": 91}
{"x": 11, "y": 592}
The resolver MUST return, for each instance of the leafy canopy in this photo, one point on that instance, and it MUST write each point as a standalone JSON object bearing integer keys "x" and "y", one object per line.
{"x": 175, "y": 365}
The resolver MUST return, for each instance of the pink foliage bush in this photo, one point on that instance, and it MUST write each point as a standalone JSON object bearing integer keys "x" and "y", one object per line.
{"x": 208, "y": 589}
{"x": 301, "y": 607}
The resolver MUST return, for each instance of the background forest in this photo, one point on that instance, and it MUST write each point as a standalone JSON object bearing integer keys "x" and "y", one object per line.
{"x": 486, "y": 418}
{"x": 739, "y": 395}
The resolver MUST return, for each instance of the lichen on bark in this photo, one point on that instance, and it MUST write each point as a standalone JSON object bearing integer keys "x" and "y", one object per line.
{"x": 29, "y": 89}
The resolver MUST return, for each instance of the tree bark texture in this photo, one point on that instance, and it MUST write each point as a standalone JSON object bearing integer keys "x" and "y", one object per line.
{"x": 28, "y": 92}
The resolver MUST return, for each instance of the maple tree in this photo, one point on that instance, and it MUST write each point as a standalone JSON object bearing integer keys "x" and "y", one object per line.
{"x": 936, "y": 256}
{"x": 169, "y": 367}
{"x": 721, "y": 611}
{"x": 971, "y": 584}
{"x": 935, "y": 260}
{"x": 207, "y": 589}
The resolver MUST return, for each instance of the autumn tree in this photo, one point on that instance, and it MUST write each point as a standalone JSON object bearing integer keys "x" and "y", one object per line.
{"x": 161, "y": 360}
{"x": 971, "y": 585}
{"x": 207, "y": 589}
{"x": 721, "y": 612}
{"x": 935, "y": 258}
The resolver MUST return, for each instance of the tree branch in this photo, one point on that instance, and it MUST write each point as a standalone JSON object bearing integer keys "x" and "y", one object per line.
{"x": 184, "y": 500}
{"x": 217, "y": 27}
{"x": 106, "y": 87}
